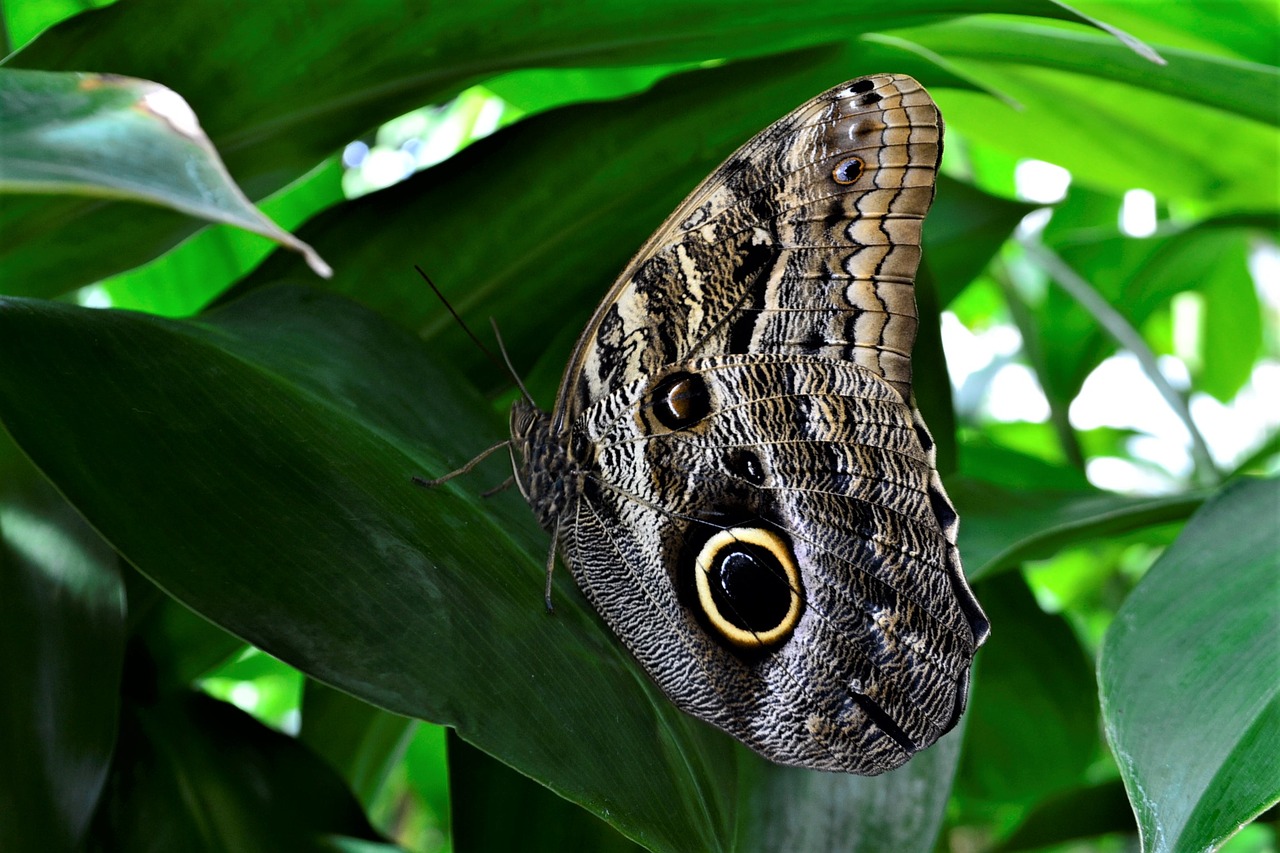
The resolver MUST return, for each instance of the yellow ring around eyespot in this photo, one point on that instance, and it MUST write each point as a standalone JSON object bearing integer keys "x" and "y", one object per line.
{"x": 775, "y": 545}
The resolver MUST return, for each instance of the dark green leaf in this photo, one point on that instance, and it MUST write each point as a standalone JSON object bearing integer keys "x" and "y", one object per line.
{"x": 420, "y": 601}
{"x": 1187, "y": 676}
{"x": 62, "y": 618}
{"x": 195, "y": 774}
{"x": 1248, "y": 89}
{"x": 269, "y": 98}
{"x": 1033, "y": 718}
{"x": 1006, "y": 523}
{"x": 1086, "y": 812}
{"x": 496, "y": 808}
{"x": 361, "y": 742}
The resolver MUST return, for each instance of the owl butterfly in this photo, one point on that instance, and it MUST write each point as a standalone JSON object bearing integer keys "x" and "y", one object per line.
{"x": 735, "y": 470}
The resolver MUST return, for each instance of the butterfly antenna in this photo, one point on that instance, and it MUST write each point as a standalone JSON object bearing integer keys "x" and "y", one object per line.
{"x": 502, "y": 348}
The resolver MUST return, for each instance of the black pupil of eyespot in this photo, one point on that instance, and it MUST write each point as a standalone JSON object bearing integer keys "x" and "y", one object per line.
{"x": 747, "y": 465}
{"x": 750, "y": 588}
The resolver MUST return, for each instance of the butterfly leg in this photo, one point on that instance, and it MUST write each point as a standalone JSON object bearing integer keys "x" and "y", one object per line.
{"x": 551, "y": 564}
{"x": 431, "y": 484}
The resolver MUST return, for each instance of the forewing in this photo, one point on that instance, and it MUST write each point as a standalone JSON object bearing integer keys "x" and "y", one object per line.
{"x": 804, "y": 242}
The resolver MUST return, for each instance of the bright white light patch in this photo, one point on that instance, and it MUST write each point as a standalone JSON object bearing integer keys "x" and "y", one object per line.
{"x": 1264, "y": 265}
{"x": 245, "y": 696}
{"x": 1138, "y": 214}
{"x": 1015, "y": 395}
{"x": 1041, "y": 182}
{"x": 170, "y": 106}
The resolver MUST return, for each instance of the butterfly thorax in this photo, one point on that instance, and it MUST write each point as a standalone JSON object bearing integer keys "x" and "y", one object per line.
{"x": 545, "y": 472}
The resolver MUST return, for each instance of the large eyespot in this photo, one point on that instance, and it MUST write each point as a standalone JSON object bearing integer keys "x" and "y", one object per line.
{"x": 848, "y": 170}
{"x": 681, "y": 400}
{"x": 749, "y": 586}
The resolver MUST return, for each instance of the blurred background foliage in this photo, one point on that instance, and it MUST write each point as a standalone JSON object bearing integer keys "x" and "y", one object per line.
{"x": 1099, "y": 359}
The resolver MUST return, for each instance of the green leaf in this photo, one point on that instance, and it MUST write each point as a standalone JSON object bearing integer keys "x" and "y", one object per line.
{"x": 1140, "y": 276}
{"x": 533, "y": 819}
{"x": 1187, "y": 676}
{"x": 1116, "y": 136}
{"x": 24, "y": 21}
{"x": 1232, "y": 320}
{"x": 303, "y": 410}
{"x": 1250, "y": 90}
{"x": 80, "y": 134}
{"x": 275, "y": 108}
{"x": 62, "y": 635}
{"x": 1033, "y": 718}
{"x": 791, "y": 809}
{"x": 361, "y": 742}
{"x": 1001, "y": 527}
{"x": 195, "y": 774}
{"x": 1085, "y": 812}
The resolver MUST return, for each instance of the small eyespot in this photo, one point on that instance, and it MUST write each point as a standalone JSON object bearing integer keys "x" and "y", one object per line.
{"x": 748, "y": 587}
{"x": 848, "y": 170}
{"x": 681, "y": 400}
{"x": 868, "y": 100}
{"x": 745, "y": 464}
{"x": 863, "y": 86}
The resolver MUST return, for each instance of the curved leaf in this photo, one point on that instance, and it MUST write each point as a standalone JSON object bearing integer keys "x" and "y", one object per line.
{"x": 290, "y": 109}
{"x": 1249, "y": 89}
{"x": 1187, "y": 676}
{"x": 82, "y": 134}
{"x": 199, "y": 775}
{"x": 269, "y": 448}
{"x": 62, "y": 636}
{"x": 1001, "y": 527}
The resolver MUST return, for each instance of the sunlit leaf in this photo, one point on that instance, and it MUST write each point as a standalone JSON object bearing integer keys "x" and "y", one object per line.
{"x": 1187, "y": 676}
{"x": 81, "y": 134}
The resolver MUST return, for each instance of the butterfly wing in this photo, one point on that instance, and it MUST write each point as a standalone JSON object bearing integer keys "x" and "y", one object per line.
{"x": 742, "y": 484}
{"x": 804, "y": 241}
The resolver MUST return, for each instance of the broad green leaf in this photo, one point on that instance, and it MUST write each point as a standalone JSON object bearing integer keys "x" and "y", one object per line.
{"x": 1033, "y": 718}
{"x": 270, "y": 447}
{"x": 81, "y": 134}
{"x": 1014, "y": 508}
{"x": 198, "y": 775}
{"x": 792, "y": 809}
{"x": 1118, "y": 137}
{"x": 1251, "y": 90}
{"x": 532, "y": 818}
{"x": 1085, "y": 812}
{"x": 62, "y": 636}
{"x": 269, "y": 98}
{"x": 1245, "y": 29}
{"x": 1187, "y": 676}
{"x": 361, "y": 742}
{"x": 184, "y": 280}
{"x": 551, "y": 249}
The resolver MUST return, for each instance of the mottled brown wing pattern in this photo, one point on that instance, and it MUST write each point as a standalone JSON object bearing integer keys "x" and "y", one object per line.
{"x": 772, "y": 254}
{"x": 736, "y": 471}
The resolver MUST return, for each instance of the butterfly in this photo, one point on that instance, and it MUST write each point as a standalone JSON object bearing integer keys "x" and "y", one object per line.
{"x": 735, "y": 470}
